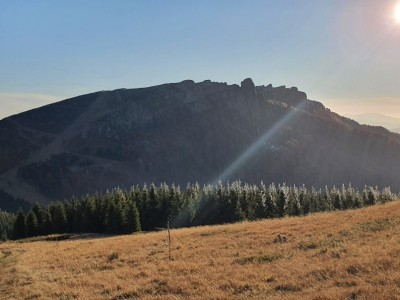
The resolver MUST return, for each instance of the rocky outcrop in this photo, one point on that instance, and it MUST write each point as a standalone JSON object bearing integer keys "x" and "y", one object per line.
{"x": 247, "y": 84}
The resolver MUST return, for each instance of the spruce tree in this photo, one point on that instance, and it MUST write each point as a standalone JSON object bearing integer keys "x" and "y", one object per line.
{"x": 152, "y": 213}
{"x": 90, "y": 217}
{"x": 31, "y": 224}
{"x": 260, "y": 201}
{"x": 59, "y": 218}
{"x": 304, "y": 200}
{"x": 37, "y": 210}
{"x": 293, "y": 204}
{"x": 47, "y": 225}
{"x": 371, "y": 198}
{"x": 133, "y": 219}
{"x": 6, "y": 225}
{"x": 238, "y": 213}
{"x": 113, "y": 217}
{"x": 335, "y": 196}
{"x": 282, "y": 199}
{"x": 19, "y": 226}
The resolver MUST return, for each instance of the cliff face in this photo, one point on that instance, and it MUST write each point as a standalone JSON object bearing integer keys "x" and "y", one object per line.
{"x": 189, "y": 132}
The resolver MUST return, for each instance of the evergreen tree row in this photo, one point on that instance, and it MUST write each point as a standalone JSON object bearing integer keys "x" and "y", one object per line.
{"x": 152, "y": 207}
{"x": 6, "y": 225}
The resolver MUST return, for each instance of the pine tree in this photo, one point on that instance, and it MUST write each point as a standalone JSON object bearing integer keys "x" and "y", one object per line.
{"x": 260, "y": 201}
{"x": 19, "y": 226}
{"x": 326, "y": 197}
{"x": 114, "y": 216}
{"x": 37, "y": 210}
{"x": 304, "y": 200}
{"x": 58, "y": 217}
{"x": 371, "y": 198}
{"x": 143, "y": 206}
{"x": 365, "y": 195}
{"x": 90, "y": 215}
{"x": 6, "y": 225}
{"x": 133, "y": 219}
{"x": 386, "y": 195}
{"x": 357, "y": 200}
{"x": 282, "y": 199}
{"x": 335, "y": 196}
{"x": 271, "y": 201}
{"x": 31, "y": 224}
{"x": 121, "y": 212}
{"x": 47, "y": 225}
{"x": 293, "y": 204}
{"x": 207, "y": 208}
{"x": 109, "y": 220}
{"x": 238, "y": 213}
{"x": 247, "y": 202}
{"x": 153, "y": 209}
{"x": 165, "y": 205}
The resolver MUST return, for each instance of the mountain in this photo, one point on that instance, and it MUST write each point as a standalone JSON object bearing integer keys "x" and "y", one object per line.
{"x": 189, "y": 131}
{"x": 391, "y": 123}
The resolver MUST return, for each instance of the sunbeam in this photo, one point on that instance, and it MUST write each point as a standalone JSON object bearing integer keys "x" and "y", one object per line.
{"x": 255, "y": 147}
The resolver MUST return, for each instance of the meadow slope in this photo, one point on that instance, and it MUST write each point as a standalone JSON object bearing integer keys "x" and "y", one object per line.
{"x": 351, "y": 254}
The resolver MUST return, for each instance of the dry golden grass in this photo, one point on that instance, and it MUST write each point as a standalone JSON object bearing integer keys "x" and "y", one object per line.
{"x": 342, "y": 255}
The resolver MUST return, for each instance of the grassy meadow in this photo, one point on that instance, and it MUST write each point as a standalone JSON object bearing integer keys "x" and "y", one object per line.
{"x": 352, "y": 254}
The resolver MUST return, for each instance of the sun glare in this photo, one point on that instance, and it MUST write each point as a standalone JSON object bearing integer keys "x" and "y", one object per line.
{"x": 397, "y": 13}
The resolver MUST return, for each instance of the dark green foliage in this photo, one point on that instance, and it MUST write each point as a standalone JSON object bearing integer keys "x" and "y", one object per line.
{"x": 114, "y": 216}
{"x": 47, "y": 223}
{"x": 384, "y": 197}
{"x": 31, "y": 224}
{"x": 371, "y": 196}
{"x": 335, "y": 198}
{"x": 41, "y": 219}
{"x": 132, "y": 219}
{"x": 59, "y": 219}
{"x": 281, "y": 201}
{"x": 19, "y": 226}
{"x": 148, "y": 208}
{"x": 6, "y": 225}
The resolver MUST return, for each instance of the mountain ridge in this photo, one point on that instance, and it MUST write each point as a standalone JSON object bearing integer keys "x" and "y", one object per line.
{"x": 187, "y": 131}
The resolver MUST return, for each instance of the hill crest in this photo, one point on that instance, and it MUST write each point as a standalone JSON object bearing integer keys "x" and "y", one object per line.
{"x": 187, "y": 131}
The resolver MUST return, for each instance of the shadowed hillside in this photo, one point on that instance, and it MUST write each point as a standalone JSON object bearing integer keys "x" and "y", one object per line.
{"x": 189, "y": 132}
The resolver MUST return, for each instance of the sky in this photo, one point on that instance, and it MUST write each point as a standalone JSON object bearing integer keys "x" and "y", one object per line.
{"x": 345, "y": 54}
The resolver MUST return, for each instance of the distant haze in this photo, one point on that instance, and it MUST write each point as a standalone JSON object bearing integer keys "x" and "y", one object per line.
{"x": 376, "y": 119}
{"x": 387, "y": 106}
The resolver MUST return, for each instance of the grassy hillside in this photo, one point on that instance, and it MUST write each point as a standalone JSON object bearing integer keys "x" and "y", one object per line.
{"x": 340, "y": 255}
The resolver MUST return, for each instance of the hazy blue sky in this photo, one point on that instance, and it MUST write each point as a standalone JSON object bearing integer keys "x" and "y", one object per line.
{"x": 343, "y": 53}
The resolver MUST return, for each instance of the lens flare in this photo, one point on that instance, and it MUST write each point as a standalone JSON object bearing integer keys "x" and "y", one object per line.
{"x": 397, "y": 13}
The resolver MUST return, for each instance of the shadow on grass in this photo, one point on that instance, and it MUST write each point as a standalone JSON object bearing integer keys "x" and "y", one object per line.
{"x": 66, "y": 237}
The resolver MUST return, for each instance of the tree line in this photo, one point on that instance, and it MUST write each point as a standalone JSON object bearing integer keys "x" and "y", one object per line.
{"x": 6, "y": 225}
{"x": 152, "y": 207}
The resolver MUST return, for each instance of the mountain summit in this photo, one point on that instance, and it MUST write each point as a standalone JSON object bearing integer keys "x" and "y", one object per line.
{"x": 189, "y": 131}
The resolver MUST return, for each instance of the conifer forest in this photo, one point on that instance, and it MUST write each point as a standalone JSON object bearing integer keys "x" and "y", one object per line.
{"x": 152, "y": 207}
